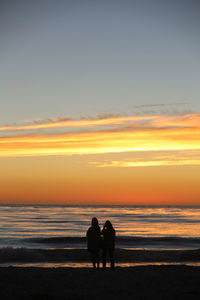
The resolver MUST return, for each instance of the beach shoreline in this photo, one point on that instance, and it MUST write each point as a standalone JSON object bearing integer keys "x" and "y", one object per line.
{"x": 28, "y": 255}
{"x": 141, "y": 282}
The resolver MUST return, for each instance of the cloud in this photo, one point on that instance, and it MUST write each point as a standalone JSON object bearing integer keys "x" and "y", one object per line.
{"x": 178, "y": 108}
{"x": 108, "y": 121}
{"x": 152, "y": 159}
{"x": 101, "y": 142}
{"x": 69, "y": 123}
{"x": 106, "y": 116}
{"x": 151, "y": 163}
{"x": 160, "y": 104}
{"x": 45, "y": 121}
{"x": 114, "y": 134}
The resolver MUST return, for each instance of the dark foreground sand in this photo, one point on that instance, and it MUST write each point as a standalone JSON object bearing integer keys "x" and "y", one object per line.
{"x": 149, "y": 282}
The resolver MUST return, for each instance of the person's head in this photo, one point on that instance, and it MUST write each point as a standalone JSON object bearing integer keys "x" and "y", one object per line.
{"x": 95, "y": 222}
{"x": 108, "y": 225}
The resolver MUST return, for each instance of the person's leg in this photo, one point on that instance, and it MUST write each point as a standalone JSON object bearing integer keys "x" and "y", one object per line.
{"x": 104, "y": 257}
{"x": 93, "y": 259}
{"x": 112, "y": 261}
{"x": 97, "y": 259}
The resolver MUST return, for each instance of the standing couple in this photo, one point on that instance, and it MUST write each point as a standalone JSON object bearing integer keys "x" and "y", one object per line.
{"x": 104, "y": 240}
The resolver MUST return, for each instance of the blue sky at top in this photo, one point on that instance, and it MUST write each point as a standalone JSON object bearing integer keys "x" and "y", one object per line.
{"x": 80, "y": 58}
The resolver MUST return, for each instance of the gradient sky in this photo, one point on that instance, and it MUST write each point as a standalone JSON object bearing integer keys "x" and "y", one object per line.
{"x": 100, "y": 102}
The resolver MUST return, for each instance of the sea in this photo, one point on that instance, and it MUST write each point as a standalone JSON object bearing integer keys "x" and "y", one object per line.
{"x": 41, "y": 235}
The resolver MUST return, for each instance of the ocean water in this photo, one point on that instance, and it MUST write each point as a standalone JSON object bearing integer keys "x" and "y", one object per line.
{"x": 26, "y": 230}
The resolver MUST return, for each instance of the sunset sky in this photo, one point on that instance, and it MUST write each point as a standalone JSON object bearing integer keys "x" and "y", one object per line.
{"x": 100, "y": 102}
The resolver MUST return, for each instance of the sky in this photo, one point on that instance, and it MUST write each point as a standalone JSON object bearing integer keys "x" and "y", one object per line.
{"x": 99, "y": 102}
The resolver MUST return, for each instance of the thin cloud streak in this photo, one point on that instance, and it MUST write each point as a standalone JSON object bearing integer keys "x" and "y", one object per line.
{"x": 150, "y": 159}
{"x": 125, "y": 164}
{"x": 39, "y": 121}
{"x": 160, "y": 104}
{"x": 77, "y": 123}
{"x": 153, "y": 121}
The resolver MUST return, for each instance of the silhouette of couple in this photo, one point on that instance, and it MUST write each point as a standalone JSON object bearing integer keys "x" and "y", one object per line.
{"x": 104, "y": 240}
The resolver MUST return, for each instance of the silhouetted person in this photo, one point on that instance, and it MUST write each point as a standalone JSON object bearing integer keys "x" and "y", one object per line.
{"x": 94, "y": 242}
{"x": 108, "y": 233}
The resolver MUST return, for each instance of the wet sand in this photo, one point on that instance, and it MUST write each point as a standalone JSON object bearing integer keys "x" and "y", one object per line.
{"x": 138, "y": 283}
{"x": 26, "y": 255}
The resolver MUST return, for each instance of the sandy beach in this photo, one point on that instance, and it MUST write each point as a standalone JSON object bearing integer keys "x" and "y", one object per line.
{"x": 146, "y": 282}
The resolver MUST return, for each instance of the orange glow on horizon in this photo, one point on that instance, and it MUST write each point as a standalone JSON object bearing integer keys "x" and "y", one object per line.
{"x": 146, "y": 160}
